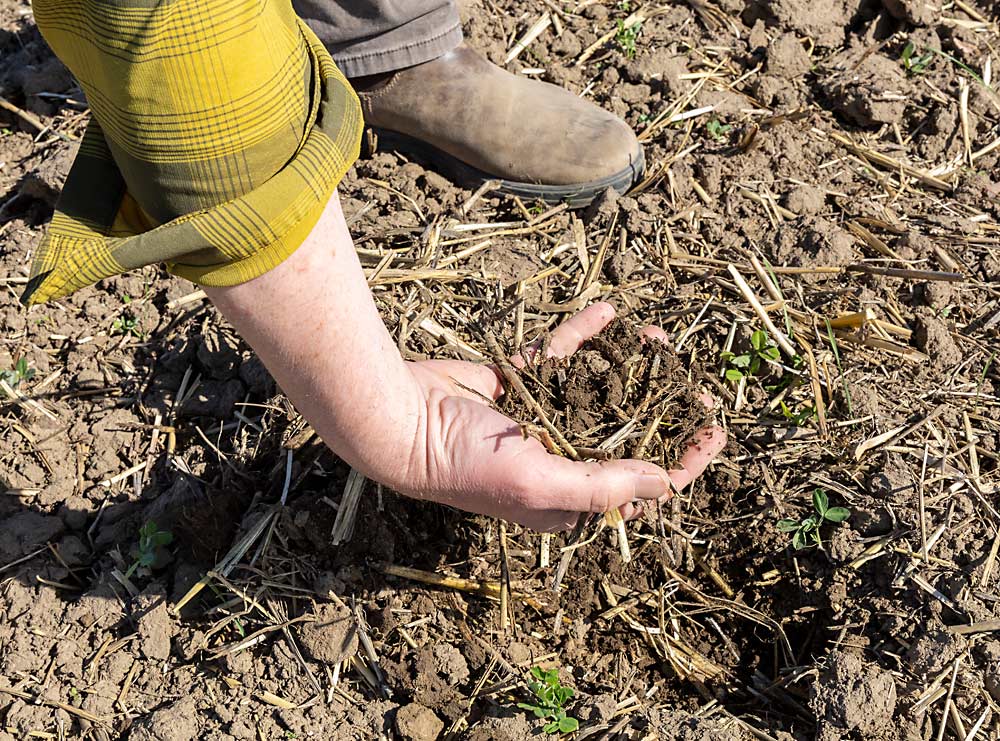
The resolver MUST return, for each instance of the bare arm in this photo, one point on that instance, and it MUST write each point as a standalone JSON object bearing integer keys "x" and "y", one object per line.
{"x": 314, "y": 324}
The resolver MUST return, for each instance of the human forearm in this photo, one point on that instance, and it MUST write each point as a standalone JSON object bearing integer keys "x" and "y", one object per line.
{"x": 313, "y": 323}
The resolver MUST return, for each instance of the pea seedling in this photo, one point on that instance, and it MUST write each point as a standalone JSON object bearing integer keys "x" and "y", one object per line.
{"x": 808, "y": 529}
{"x": 126, "y": 324}
{"x": 915, "y": 65}
{"x": 20, "y": 372}
{"x": 749, "y": 363}
{"x": 718, "y": 130}
{"x": 151, "y": 539}
{"x": 797, "y": 419}
{"x": 627, "y": 36}
{"x": 550, "y": 701}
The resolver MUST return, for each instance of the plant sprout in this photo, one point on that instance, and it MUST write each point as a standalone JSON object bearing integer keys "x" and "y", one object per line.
{"x": 550, "y": 701}
{"x": 808, "y": 529}
{"x": 626, "y": 37}
{"x": 20, "y": 372}
{"x": 151, "y": 539}
{"x": 749, "y": 363}
{"x": 718, "y": 130}
{"x": 915, "y": 65}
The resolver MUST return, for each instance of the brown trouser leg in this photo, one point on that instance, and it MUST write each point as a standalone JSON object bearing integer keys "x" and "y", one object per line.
{"x": 368, "y": 37}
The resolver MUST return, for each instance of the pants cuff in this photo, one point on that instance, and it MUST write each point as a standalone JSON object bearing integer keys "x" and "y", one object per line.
{"x": 358, "y": 61}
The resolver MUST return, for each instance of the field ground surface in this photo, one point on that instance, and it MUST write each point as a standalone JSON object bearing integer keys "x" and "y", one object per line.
{"x": 834, "y": 162}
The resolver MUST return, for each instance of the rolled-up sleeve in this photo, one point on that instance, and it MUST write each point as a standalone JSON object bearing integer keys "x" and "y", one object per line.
{"x": 219, "y": 130}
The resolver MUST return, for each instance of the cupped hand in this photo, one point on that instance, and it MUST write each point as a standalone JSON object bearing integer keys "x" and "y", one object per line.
{"x": 468, "y": 455}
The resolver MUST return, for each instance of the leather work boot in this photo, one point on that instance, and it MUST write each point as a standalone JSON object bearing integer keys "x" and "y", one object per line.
{"x": 478, "y": 122}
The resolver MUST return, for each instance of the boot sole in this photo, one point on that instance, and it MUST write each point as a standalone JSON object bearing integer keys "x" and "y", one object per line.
{"x": 578, "y": 195}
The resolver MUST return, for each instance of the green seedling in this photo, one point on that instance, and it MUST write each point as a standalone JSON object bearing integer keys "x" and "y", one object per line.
{"x": 799, "y": 417}
{"x": 840, "y": 368}
{"x": 626, "y": 37}
{"x": 718, "y": 130}
{"x": 20, "y": 372}
{"x": 806, "y": 532}
{"x": 915, "y": 65}
{"x": 986, "y": 369}
{"x": 151, "y": 540}
{"x": 749, "y": 363}
{"x": 126, "y": 324}
{"x": 550, "y": 701}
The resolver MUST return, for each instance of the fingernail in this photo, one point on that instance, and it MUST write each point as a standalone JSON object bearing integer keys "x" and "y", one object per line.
{"x": 650, "y": 486}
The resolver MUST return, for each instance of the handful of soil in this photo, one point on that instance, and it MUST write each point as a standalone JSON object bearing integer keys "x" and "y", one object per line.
{"x": 617, "y": 397}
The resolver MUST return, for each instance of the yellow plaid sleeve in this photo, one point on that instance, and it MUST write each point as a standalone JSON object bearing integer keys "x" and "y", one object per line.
{"x": 219, "y": 130}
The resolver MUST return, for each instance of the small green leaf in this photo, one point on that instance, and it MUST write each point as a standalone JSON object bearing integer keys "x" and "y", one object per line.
{"x": 741, "y": 361}
{"x": 907, "y": 53}
{"x": 162, "y": 538}
{"x": 758, "y": 340}
{"x": 727, "y": 355}
{"x": 733, "y": 375}
{"x": 551, "y": 727}
{"x": 799, "y": 540}
{"x": 536, "y": 672}
{"x": 821, "y": 501}
{"x": 837, "y": 514}
{"x": 569, "y": 725}
{"x": 810, "y": 523}
{"x": 771, "y": 353}
{"x": 788, "y": 526}
{"x": 22, "y": 367}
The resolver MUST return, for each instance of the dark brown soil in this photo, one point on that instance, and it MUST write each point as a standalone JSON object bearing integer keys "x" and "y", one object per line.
{"x": 717, "y": 629}
{"x": 615, "y": 383}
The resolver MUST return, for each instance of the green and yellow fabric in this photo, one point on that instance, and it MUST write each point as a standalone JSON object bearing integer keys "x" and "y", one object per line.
{"x": 219, "y": 131}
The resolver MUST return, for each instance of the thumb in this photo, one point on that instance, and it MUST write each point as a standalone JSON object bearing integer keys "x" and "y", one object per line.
{"x": 601, "y": 487}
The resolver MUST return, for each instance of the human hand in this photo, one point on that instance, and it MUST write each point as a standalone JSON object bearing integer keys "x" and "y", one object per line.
{"x": 468, "y": 455}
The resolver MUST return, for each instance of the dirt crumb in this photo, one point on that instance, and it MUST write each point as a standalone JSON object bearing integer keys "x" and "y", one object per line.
{"x": 156, "y": 627}
{"x": 177, "y": 721}
{"x": 852, "y": 695}
{"x": 933, "y": 650}
{"x": 805, "y": 200}
{"x": 787, "y": 57}
{"x": 682, "y": 726}
{"x": 414, "y": 722}
{"x": 331, "y": 637}
{"x": 931, "y": 336}
{"x": 917, "y": 12}
{"x": 870, "y": 92}
{"x": 516, "y": 728}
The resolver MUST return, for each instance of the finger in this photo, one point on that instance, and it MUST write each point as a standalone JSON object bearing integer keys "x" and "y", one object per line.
{"x": 702, "y": 449}
{"x": 571, "y": 334}
{"x": 653, "y": 333}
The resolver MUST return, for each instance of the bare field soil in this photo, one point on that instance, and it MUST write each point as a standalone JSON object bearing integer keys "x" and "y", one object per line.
{"x": 834, "y": 162}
